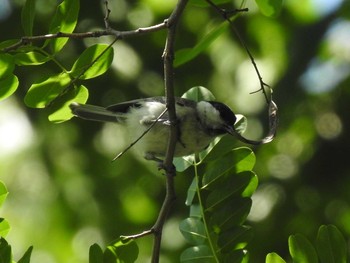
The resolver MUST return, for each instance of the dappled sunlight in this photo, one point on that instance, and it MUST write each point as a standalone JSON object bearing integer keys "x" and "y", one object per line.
{"x": 16, "y": 132}
{"x": 328, "y": 125}
{"x": 266, "y": 197}
{"x": 127, "y": 63}
{"x": 283, "y": 166}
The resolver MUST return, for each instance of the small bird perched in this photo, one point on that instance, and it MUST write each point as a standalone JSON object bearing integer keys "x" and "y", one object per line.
{"x": 198, "y": 123}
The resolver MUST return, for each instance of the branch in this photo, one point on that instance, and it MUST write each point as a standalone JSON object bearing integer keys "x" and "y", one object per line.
{"x": 94, "y": 34}
{"x": 226, "y": 15}
{"x": 168, "y": 57}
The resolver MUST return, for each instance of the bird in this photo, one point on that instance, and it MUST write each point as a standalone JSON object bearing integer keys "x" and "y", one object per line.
{"x": 198, "y": 123}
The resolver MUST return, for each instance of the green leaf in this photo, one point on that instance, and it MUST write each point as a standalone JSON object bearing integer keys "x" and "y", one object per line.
{"x": 3, "y": 193}
{"x": 184, "y": 55}
{"x": 241, "y": 123}
{"x": 270, "y": 8}
{"x": 30, "y": 58}
{"x": 4, "y": 227}
{"x": 198, "y": 93}
{"x": 42, "y": 93}
{"x": 232, "y": 185}
{"x": 27, "y": 17}
{"x": 232, "y": 214}
{"x": 126, "y": 252}
{"x": 202, "y": 3}
{"x": 61, "y": 111}
{"x": 7, "y": 65}
{"x": 94, "y": 61}
{"x": 95, "y": 254}
{"x": 302, "y": 250}
{"x": 235, "y": 238}
{"x": 182, "y": 163}
{"x": 197, "y": 254}
{"x": 195, "y": 211}
{"x": 26, "y": 256}
{"x": 5, "y": 251}
{"x": 274, "y": 258}
{"x": 64, "y": 20}
{"x": 8, "y": 86}
{"x": 236, "y": 256}
{"x": 109, "y": 256}
{"x": 331, "y": 245}
{"x": 191, "y": 192}
{"x": 193, "y": 231}
{"x": 238, "y": 160}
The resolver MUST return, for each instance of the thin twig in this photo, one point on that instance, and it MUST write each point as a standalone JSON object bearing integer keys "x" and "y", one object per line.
{"x": 141, "y": 136}
{"x": 75, "y": 79}
{"x": 26, "y": 40}
{"x": 226, "y": 15}
{"x": 273, "y": 117}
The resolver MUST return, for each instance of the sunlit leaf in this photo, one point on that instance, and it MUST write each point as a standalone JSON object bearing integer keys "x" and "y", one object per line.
{"x": 301, "y": 249}
{"x": 30, "y": 58}
{"x": 274, "y": 258}
{"x": 7, "y": 65}
{"x": 241, "y": 123}
{"x": 193, "y": 230}
{"x": 238, "y": 160}
{"x": 197, "y": 254}
{"x": 4, "y": 227}
{"x": 184, "y": 55}
{"x": 61, "y": 110}
{"x": 126, "y": 252}
{"x": 232, "y": 214}
{"x": 27, "y": 17}
{"x": 8, "y": 86}
{"x": 3, "y": 193}
{"x": 191, "y": 192}
{"x": 331, "y": 245}
{"x": 42, "y": 93}
{"x": 95, "y": 254}
{"x": 270, "y": 8}
{"x": 64, "y": 20}
{"x": 26, "y": 257}
{"x": 198, "y": 93}
{"x": 235, "y": 238}
{"x": 109, "y": 255}
{"x": 94, "y": 61}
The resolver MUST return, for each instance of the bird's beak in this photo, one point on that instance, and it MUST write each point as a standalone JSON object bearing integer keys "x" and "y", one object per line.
{"x": 231, "y": 130}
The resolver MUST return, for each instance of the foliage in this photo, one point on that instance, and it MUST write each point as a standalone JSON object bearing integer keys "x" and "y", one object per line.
{"x": 307, "y": 162}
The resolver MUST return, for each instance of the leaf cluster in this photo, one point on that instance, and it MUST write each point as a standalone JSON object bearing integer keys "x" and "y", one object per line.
{"x": 330, "y": 247}
{"x": 63, "y": 87}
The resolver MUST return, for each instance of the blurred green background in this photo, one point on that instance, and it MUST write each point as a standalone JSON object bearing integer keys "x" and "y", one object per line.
{"x": 66, "y": 194}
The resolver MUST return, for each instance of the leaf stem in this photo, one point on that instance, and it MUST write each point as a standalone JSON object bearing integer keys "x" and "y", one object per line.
{"x": 201, "y": 205}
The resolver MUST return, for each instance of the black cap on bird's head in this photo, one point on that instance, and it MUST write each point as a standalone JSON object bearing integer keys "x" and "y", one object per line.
{"x": 226, "y": 113}
{"x": 228, "y": 119}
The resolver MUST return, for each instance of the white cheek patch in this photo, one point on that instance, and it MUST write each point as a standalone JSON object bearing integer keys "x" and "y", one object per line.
{"x": 208, "y": 114}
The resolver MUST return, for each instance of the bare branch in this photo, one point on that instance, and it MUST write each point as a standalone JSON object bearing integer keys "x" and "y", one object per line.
{"x": 94, "y": 34}
{"x": 168, "y": 57}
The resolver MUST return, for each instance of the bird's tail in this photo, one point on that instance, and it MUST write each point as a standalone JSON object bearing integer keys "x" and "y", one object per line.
{"x": 93, "y": 113}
